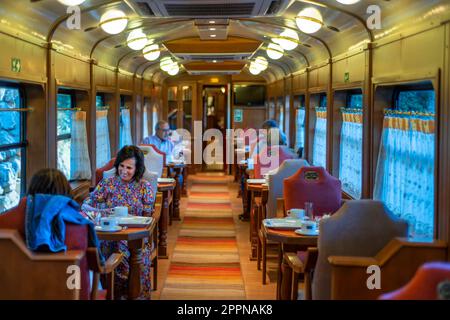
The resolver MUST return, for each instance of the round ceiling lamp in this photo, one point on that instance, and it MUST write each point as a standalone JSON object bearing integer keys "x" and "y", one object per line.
{"x": 347, "y": 1}
{"x": 151, "y": 52}
{"x": 137, "y": 40}
{"x": 174, "y": 69}
{"x": 71, "y": 3}
{"x": 254, "y": 69}
{"x": 113, "y": 21}
{"x": 261, "y": 63}
{"x": 309, "y": 20}
{"x": 274, "y": 51}
{"x": 165, "y": 63}
{"x": 288, "y": 39}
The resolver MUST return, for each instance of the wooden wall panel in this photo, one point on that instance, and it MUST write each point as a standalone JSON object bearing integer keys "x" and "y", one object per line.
{"x": 70, "y": 72}
{"x": 417, "y": 54}
{"x": 354, "y": 65}
{"x": 319, "y": 77}
{"x": 299, "y": 82}
{"x": 32, "y": 59}
{"x": 104, "y": 78}
{"x": 125, "y": 82}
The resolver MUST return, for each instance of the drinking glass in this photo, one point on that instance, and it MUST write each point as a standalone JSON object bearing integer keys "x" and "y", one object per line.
{"x": 309, "y": 210}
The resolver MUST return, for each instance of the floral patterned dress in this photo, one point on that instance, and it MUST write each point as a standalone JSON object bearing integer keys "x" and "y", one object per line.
{"x": 138, "y": 197}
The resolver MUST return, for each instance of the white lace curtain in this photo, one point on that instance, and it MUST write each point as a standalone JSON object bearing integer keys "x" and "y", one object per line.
{"x": 300, "y": 128}
{"x": 350, "y": 164}
{"x": 103, "y": 145}
{"x": 80, "y": 164}
{"x": 125, "y": 128}
{"x": 405, "y": 171}
{"x": 144, "y": 122}
{"x": 320, "y": 139}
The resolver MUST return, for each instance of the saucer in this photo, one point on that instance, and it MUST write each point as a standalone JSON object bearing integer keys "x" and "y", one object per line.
{"x": 307, "y": 232}
{"x": 112, "y": 229}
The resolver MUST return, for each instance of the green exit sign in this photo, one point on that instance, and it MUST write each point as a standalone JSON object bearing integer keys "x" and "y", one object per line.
{"x": 347, "y": 77}
{"x": 15, "y": 65}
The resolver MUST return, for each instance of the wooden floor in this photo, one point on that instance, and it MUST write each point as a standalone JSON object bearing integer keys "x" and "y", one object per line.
{"x": 254, "y": 288}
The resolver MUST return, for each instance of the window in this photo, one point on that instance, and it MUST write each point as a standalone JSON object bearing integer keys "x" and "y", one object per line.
{"x": 405, "y": 169}
{"x": 320, "y": 133}
{"x": 12, "y": 147}
{"x": 280, "y": 114}
{"x": 103, "y": 151}
{"x": 300, "y": 124}
{"x": 125, "y": 124}
{"x": 65, "y": 102}
{"x": 351, "y": 143}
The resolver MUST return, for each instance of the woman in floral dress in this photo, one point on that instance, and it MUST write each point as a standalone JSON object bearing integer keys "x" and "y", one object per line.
{"x": 125, "y": 188}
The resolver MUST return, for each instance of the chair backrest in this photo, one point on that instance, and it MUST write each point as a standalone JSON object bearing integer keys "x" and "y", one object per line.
{"x": 152, "y": 177}
{"x": 316, "y": 185}
{"x": 276, "y": 186}
{"x": 427, "y": 284}
{"x": 154, "y": 159}
{"x": 358, "y": 228}
{"x": 99, "y": 172}
{"x": 271, "y": 158}
{"x": 28, "y": 276}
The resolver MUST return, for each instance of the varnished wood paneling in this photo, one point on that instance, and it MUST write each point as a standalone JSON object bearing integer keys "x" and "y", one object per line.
{"x": 70, "y": 72}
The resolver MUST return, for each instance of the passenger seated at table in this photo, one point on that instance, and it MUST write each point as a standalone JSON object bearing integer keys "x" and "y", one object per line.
{"x": 50, "y": 220}
{"x": 126, "y": 188}
{"x": 161, "y": 139}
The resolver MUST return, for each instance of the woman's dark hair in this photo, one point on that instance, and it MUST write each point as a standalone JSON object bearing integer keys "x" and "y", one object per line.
{"x": 130, "y": 152}
{"x": 50, "y": 181}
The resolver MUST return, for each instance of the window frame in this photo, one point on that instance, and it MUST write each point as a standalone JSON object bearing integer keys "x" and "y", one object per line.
{"x": 23, "y": 144}
{"x": 409, "y": 88}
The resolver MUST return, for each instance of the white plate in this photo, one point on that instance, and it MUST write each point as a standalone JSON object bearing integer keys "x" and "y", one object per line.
{"x": 166, "y": 180}
{"x": 112, "y": 229}
{"x": 307, "y": 233}
{"x": 256, "y": 181}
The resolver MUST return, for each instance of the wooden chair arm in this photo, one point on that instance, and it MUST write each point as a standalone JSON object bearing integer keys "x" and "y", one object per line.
{"x": 299, "y": 266}
{"x": 281, "y": 212}
{"x": 349, "y": 274}
{"x": 95, "y": 265}
{"x": 113, "y": 261}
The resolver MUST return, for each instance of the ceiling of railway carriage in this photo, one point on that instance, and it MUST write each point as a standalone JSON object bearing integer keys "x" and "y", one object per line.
{"x": 240, "y": 36}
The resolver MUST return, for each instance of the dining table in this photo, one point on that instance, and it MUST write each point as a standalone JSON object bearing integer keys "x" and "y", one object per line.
{"x": 257, "y": 192}
{"x": 166, "y": 189}
{"x": 176, "y": 171}
{"x": 288, "y": 241}
{"x": 135, "y": 237}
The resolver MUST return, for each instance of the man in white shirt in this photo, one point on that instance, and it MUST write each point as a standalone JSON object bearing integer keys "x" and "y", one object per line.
{"x": 161, "y": 138}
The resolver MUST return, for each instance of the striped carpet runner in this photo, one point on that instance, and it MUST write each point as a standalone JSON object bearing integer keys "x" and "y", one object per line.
{"x": 205, "y": 263}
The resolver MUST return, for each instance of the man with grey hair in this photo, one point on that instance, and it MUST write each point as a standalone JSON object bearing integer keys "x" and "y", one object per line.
{"x": 161, "y": 138}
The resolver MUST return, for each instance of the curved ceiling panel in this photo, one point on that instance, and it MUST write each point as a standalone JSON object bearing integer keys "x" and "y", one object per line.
{"x": 344, "y": 28}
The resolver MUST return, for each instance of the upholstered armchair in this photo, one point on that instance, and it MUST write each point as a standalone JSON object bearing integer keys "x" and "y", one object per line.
{"x": 359, "y": 228}
{"x": 100, "y": 171}
{"x": 271, "y": 158}
{"x": 154, "y": 159}
{"x": 316, "y": 185}
{"x": 276, "y": 187}
{"x": 35, "y": 275}
{"x": 431, "y": 282}
{"x": 286, "y": 169}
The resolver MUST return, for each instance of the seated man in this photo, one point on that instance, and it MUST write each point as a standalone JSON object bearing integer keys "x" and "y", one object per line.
{"x": 161, "y": 138}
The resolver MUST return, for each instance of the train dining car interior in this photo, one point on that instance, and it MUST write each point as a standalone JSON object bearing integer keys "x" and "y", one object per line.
{"x": 225, "y": 150}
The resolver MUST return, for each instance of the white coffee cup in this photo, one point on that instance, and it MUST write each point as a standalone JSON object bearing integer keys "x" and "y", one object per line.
{"x": 108, "y": 223}
{"x": 120, "y": 211}
{"x": 296, "y": 213}
{"x": 309, "y": 226}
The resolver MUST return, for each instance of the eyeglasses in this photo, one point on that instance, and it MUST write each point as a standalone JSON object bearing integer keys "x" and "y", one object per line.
{"x": 165, "y": 130}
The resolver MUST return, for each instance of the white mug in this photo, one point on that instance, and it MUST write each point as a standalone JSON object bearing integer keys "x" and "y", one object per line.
{"x": 296, "y": 213}
{"x": 120, "y": 211}
{"x": 108, "y": 222}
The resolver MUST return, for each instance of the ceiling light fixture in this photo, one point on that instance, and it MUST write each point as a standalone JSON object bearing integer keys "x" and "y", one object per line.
{"x": 214, "y": 61}
{"x": 166, "y": 63}
{"x": 151, "y": 51}
{"x": 348, "y": 1}
{"x": 174, "y": 69}
{"x": 288, "y": 39}
{"x": 212, "y": 35}
{"x": 254, "y": 70}
{"x": 212, "y": 29}
{"x": 274, "y": 51}
{"x": 71, "y": 3}
{"x": 212, "y": 21}
{"x": 137, "y": 39}
{"x": 261, "y": 63}
{"x": 113, "y": 21}
{"x": 309, "y": 20}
